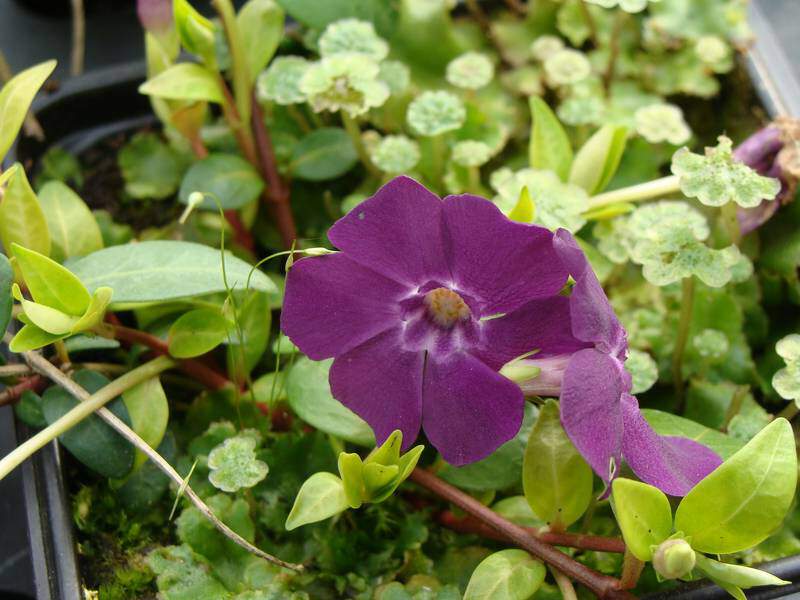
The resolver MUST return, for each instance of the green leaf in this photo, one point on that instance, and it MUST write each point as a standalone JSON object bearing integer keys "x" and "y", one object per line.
{"x": 58, "y": 165}
{"x": 644, "y": 516}
{"x": 746, "y": 498}
{"x": 6, "y": 280}
{"x": 197, "y": 332}
{"x": 51, "y": 284}
{"x": 92, "y": 441}
{"x": 73, "y": 228}
{"x": 506, "y": 575}
{"x": 44, "y": 317}
{"x": 226, "y": 178}
{"x": 30, "y": 337}
{"x": 737, "y": 575}
{"x": 317, "y": 14}
{"x": 323, "y": 154}
{"x": 147, "y": 483}
{"x": 549, "y": 145}
{"x": 716, "y": 178}
{"x": 234, "y": 464}
{"x": 598, "y": 159}
{"x": 197, "y": 34}
{"x": 310, "y": 397}
{"x": 255, "y": 320}
{"x": 16, "y": 97}
{"x": 556, "y": 479}
{"x": 29, "y": 410}
{"x": 260, "y": 24}
{"x": 351, "y": 469}
{"x": 151, "y": 169}
{"x": 21, "y": 218}
{"x": 321, "y": 496}
{"x": 184, "y": 81}
{"x": 524, "y": 210}
{"x": 149, "y": 413}
{"x": 499, "y": 470}
{"x": 668, "y": 424}
{"x": 96, "y": 311}
{"x": 161, "y": 270}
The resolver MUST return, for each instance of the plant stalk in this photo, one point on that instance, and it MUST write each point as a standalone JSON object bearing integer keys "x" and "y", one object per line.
{"x": 564, "y": 584}
{"x": 684, "y": 324}
{"x": 634, "y": 193}
{"x": 354, "y": 131}
{"x": 43, "y": 366}
{"x": 11, "y": 395}
{"x": 602, "y": 585}
{"x": 83, "y": 410}
{"x": 632, "y": 569}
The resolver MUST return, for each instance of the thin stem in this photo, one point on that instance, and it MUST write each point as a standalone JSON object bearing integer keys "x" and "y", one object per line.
{"x": 474, "y": 174}
{"x": 354, "y": 131}
{"x": 299, "y": 117}
{"x": 83, "y": 410}
{"x": 61, "y": 352}
{"x": 242, "y": 134}
{"x": 581, "y": 541}
{"x": 613, "y": 50}
{"x": 277, "y": 195}
{"x": 46, "y": 368}
{"x": 789, "y": 411}
{"x": 634, "y": 193}
{"x": 587, "y": 16}
{"x": 602, "y": 585}
{"x": 730, "y": 218}
{"x": 78, "y": 37}
{"x": 564, "y": 584}
{"x": 735, "y": 406}
{"x": 438, "y": 150}
{"x": 684, "y": 324}
{"x": 15, "y": 370}
{"x": 11, "y": 395}
{"x": 631, "y": 570}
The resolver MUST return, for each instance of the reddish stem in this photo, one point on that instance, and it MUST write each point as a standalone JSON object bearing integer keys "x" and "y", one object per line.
{"x": 470, "y": 524}
{"x": 11, "y": 395}
{"x": 602, "y": 585}
{"x": 241, "y": 235}
{"x": 277, "y": 193}
{"x": 196, "y": 369}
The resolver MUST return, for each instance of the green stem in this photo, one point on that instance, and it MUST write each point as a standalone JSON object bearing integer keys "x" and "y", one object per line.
{"x": 354, "y": 131}
{"x": 735, "y": 406}
{"x": 83, "y": 410}
{"x": 242, "y": 81}
{"x": 474, "y": 174}
{"x": 789, "y": 411}
{"x": 730, "y": 218}
{"x": 613, "y": 50}
{"x": 634, "y": 193}
{"x": 631, "y": 570}
{"x": 438, "y": 151}
{"x": 684, "y": 324}
{"x": 563, "y": 582}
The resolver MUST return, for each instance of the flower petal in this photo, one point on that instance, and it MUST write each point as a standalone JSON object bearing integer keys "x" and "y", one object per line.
{"x": 333, "y": 304}
{"x": 590, "y": 408}
{"x": 397, "y": 232}
{"x": 502, "y": 263}
{"x": 542, "y": 324}
{"x": 593, "y": 319}
{"x": 469, "y": 410}
{"x": 382, "y": 384}
{"x": 672, "y": 464}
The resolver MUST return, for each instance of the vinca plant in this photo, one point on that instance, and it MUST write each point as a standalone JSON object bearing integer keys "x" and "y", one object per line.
{"x": 415, "y": 300}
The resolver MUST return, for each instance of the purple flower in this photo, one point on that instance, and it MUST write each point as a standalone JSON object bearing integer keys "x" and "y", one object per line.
{"x": 425, "y": 302}
{"x": 155, "y": 15}
{"x": 598, "y": 412}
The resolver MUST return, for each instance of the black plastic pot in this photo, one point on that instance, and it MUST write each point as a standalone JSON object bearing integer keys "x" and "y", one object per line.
{"x": 86, "y": 110}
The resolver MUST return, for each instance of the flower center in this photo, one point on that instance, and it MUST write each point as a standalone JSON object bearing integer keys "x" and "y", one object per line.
{"x": 446, "y": 307}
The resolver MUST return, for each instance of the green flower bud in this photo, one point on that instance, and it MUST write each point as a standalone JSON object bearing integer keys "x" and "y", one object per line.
{"x": 470, "y": 71}
{"x": 435, "y": 113}
{"x": 353, "y": 36}
{"x": 674, "y": 559}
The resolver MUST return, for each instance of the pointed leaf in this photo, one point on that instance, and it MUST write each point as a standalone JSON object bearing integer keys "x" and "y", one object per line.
{"x": 524, "y": 210}
{"x": 556, "y": 480}
{"x": 21, "y": 218}
{"x": 351, "y": 469}
{"x": 149, "y": 412}
{"x": 51, "y": 284}
{"x": 15, "y": 100}
{"x": 96, "y": 311}
{"x": 30, "y": 337}
{"x": 48, "y": 319}
{"x": 320, "y": 497}
{"x": 6, "y": 281}
{"x": 73, "y": 227}
{"x": 744, "y": 500}
{"x": 184, "y": 81}
{"x": 598, "y": 159}
{"x": 260, "y": 25}
{"x": 736, "y": 575}
{"x": 644, "y": 516}
{"x": 549, "y": 148}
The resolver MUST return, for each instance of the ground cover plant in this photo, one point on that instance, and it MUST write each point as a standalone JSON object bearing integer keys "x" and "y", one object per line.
{"x": 416, "y": 300}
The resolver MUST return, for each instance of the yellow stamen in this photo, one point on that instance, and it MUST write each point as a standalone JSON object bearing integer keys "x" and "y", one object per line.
{"x": 446, "y": 307}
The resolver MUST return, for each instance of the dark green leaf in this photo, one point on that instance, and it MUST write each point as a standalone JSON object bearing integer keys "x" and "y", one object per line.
{"x": 323, "y": 154}
{"x": 226, "y": 178}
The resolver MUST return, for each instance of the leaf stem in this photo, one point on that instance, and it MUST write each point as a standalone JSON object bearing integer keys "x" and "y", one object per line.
{"x": 684, "y": 324}
{"x": 735, "y": 406}
{"x": 634, "y": 193}
{"x": 602, "y": 585}
{"x": 730, "y": 218}
{"x": 11, "y": 395}
{"x": 613, "y": 50}
{"x": 631, "y": 570}
{"x": 354, "y": 131}
{"x": 46, "y": 368}
{"x": 83, "y": 410}
{"x": 564, "y": 584}
{"x": 587, "y": 16}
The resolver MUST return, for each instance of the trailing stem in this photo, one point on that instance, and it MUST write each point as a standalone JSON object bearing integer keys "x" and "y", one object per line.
{"x": 602, "y": 585}
{"x": 40, "y": 364}
{"x": 83, "y": 410}
{"x": 354, "y": 131}
{"x": 635, "y": 193}
{"x": 684, "y": 324}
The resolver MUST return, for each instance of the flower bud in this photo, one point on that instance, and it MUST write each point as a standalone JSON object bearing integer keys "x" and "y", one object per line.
{"x": 155, "y": 15}
{"x": 317, "y": 251}
{"x": 674, "y": 559}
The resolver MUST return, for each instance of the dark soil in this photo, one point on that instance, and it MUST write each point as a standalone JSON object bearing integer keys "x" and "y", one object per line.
{"x": 104, "y": 188}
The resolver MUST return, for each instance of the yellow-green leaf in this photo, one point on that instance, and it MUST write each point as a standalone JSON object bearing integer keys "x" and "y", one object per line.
{"x": 51, "y": 284}
{"x": 15, "y": 100}
{"x": 73, "y": 228}
{"x": 21, "y": 218}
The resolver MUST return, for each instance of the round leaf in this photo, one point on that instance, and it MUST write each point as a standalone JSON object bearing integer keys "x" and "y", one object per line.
{"x": 73, "y": 228}
{"x": 643, "y": 514}
{"x": 224, "y": 177}
{"x": 149, "y": 412}
{"x": 321, "y": 496}
{"x": 506, "y": 575}
{"x": 197, "y": 332}
{"x": 745, "y": 499}
{"x": 323, "y": 154}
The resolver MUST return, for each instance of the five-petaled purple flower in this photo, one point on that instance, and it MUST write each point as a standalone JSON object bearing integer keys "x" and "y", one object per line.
{"x": 598, "y": 412}
{"x": 425, "y": 302}
{"x": 428, "y": 299}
